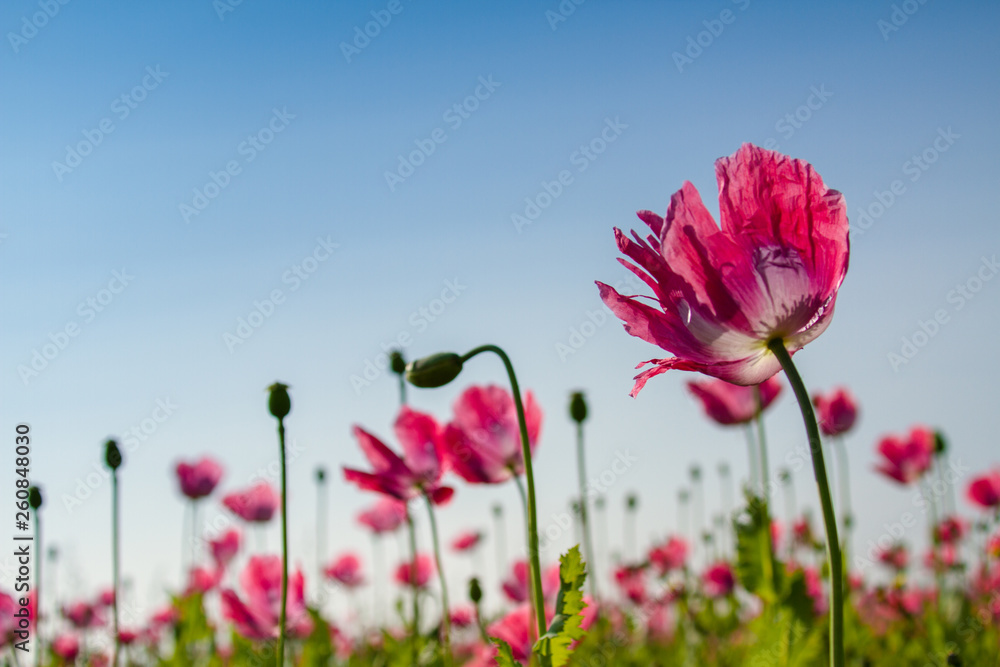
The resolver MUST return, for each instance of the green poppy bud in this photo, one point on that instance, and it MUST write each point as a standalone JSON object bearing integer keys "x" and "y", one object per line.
{"x": 112, "y": 455}
{"x": 475, "y": 591}
{"x": 279, "y": 403}
{"x": 695, "y": 472}
{"x": 577, "y": 407}
{"x": 397, "y": 362}
{"x": 34, "y": 497}
{"x": 940, "y": 444}
{"x": 436, "y": 370}
{"x": 632, "y": 501}
{"x": 320, "y": 475}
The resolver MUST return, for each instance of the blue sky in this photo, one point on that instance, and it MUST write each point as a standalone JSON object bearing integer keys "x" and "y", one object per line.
{"x": 202, "y": 85}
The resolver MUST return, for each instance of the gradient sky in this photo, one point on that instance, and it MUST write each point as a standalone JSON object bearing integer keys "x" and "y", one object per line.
{"x": 886, "y": 96}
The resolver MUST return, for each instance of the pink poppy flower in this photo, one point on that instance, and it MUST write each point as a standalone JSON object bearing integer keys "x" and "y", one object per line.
{"x": 815, "y": 590}
{"x": 202, "y": 579}
{"x": 83, "y": 616}
{"x": 950, "y": 530}
{"x": 66, "y": 647}
{"x": 632, "y": 582}
{"x": 483, "y": 442}
{"x": 942, "y": 558}
{"x": 198, "y": 479}
{"x": 385, "y": 516}
{"x": 669, "y": 556}
{"x": 416, "y": 575}
{"x": 466, "y": 541}
{"x": 802, "y": 532}
{"x": 836, "y": 411}
{"x": 463, "y": 616}
{"x": 225, "y": 548}
{"x": 895, "y": 556}
{"x": 719, "y": 580}
{"x": 127, "y": 637}
{"x": 418, "y": 472}
{"x": 106, "y": 598}
{"x": 905, "y": 461}
{"x": 346, "y": 570}
{"x": 257, "y": 617}
{"x": 8, "y": 622}
{"x": 985, "y": 490}
{"x": 729, "y": 404}
{"x": 515, "y": 628}
{"x": 993, "y": 546}
{"x": 517, "y": 586}
{"x": 166, "y": 616}
{"x": 772, "y": 271}
{"x": 256, "y": 504}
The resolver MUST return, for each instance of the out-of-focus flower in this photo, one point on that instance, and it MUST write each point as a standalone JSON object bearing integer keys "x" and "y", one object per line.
{"x": 202, "y": 579}
{"x": 771, "y": 271}
{"x": 225, "y": 548}
{"x": 895, "y": 556}
{"x": 256, "y": 504}
{"x": 199, "y": 478}
{"x": 83, "y": 615}
{"x": 482, "y": 444}
{"x": 385, "y": 516}
{"x": 346, "y": 570}
{"x": 463, "y": 616}
{"x": 257, "y": 617}
{"x": 836, "y": 412}
{"x": 950, "y": 530}
{"x": 417, "y": 574}
{"x": 941, "y": 558}
{"x": 905, "y": 460}
{"x": 730, "y": 404}
{"x": 669, "y": 556}
{"x": 632, "y": 582}
{"x": 802, "y": 532}
{"x": 467, "y": 541}
{"x": 517, "y": 586}
{"x": 985, "y": 490}
{"x": 66, "y": 646}
{"x": 719, "y": 580}
{"x": 418, "y": 472}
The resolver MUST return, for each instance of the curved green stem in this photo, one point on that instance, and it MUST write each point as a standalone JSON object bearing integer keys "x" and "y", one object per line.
{"x": 588, "y": 545}
{"x": 532, "y": 518}
{"x": 446, "y": 613}
{"x": 280, "y": 657}
{"x": 777, "y": 346}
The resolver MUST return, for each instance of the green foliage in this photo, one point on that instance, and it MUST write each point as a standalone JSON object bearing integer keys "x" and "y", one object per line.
{"x": 553, "y": 648}
{"x": 504, "y": 657}
{"x": 753, "y": 548}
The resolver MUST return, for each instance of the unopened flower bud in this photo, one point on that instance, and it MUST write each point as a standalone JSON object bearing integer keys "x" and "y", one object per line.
{"x": 577, "y": 407}
{"x": 940, "y": 444}
{"x": 320, "y": 475}
{"x": 397, "y": 362}
{"x": 112, "y": 455}
{"x": 632, "y": 501}
{"x": 475, "y": 591}
{"x": 434, "y": 371}
{"x": 34, "y": 497}
{"x": 279, "y": 403}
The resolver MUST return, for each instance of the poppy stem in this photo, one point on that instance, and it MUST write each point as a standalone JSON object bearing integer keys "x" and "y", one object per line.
{"x": 415, "y": 631}
{"x": 752, "y": 456}
{"x": 581, "y": 464}
{"x": 777, "y": 347}
{"x": 532, "y": 515}
{"x": 765, "y": 480}
{"x": 446, "y": 609}
{"x": 38, "y": 588}
{"x": 280, "y": 657}
{"x": 114, "y": 559}
{"x": 844, "y": 477}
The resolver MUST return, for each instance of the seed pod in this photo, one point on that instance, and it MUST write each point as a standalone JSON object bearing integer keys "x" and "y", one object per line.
{"x": 434, "y": 371}
{"x": 112, "y": 455}
{"x": 397, "y": 362}
{"x": 279, "y": 403}
{"x": 475, "y": 591}
{"x": 34, "y": 497}
{"x": 577, "y": 407}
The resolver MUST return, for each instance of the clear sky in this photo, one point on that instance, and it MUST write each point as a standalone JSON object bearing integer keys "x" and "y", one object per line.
{"x": 177, "y": 163}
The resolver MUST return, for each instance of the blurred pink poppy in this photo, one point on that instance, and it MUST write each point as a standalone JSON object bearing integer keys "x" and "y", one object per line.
{"x": 385, "y": 516}
{"x": 203, "y": 579}
{"x": 669, "y": 556}
{"x": 895, "y": 556}
{"x": 985, "y": 490}
{"x": 66, "y": 646}
{"x": 950, "y": 530}
{"x": 225, "y": 548}
{"x": 256, "y": 504}
{"x": 257, "y": 617}
{"x": 836, "y": 412}
{"x": 719, "y": 580}
{"x": 466, "y": 541}
{"x": 482, "y": 444}
{"x": 416, "y": 575}
{"x": 517, "y": 588}
{"x": 729, "y": 404}
{"x": 418, "y": 472}
{"x": 83, "y": 615}
{"x": 199, "y": 478}
{"x": 771, "y": 271}
{"x": 346, "y": 570}
{"x": 906, "y": 460}
{"x": 632, "y": 582}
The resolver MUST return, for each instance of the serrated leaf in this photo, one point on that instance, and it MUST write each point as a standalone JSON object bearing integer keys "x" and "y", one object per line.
{"x": 753, "y": 550}
{"x": 553, "y": 648}
{"x": 504, "y": 656}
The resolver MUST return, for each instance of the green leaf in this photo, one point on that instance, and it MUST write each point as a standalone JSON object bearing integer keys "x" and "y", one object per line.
{"x": 753, "y": 550}
{"x": 553, "y": 648}
{"x": 504, "y": 657}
